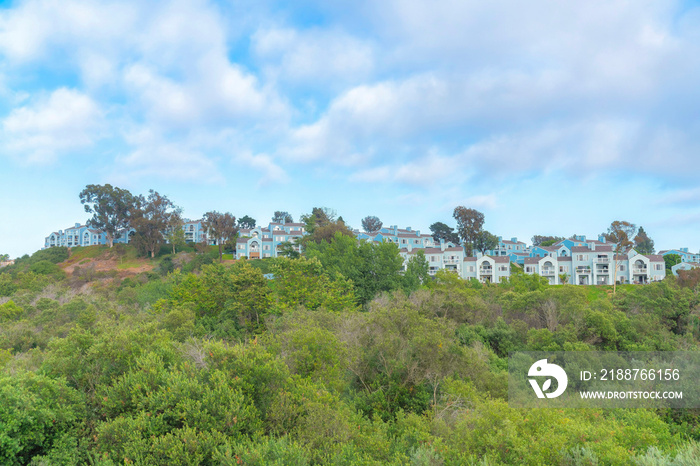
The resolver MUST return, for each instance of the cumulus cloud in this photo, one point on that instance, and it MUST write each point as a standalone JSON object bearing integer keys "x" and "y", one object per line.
{"x": 60, "y": 123}
{"x": 331, "y": 57}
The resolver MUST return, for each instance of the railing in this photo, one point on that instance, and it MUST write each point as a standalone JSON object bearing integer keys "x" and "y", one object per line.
{"x": 639, "y": 270}
{"x": 547, "y": 271}
{"x": 583, "y": 270}
{"x": 484, "y": 271}
{"x": 448, "y": 260}
{"x": 602, "y": 260}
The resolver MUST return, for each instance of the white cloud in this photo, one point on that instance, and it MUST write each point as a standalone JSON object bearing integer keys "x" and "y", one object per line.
{"x": 263, "y": 163}
{"x": 313, "y": 56}
{"x": 65, "y": 121}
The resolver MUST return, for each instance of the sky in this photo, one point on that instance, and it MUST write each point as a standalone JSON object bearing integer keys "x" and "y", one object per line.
{"x": 550, "y": 117}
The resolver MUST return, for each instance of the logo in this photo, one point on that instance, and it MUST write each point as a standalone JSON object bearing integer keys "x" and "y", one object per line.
{"x": 544, "y": 369}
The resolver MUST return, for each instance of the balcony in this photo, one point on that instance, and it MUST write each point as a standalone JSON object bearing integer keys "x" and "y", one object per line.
{"x": 485, "y": 270}
{"x": 450, "y": 260}
{"x": 639, "y": 270}
{"x": 583, "y": 270}
{"x": 602, "y": 260}
{"x": 548, "y": 271}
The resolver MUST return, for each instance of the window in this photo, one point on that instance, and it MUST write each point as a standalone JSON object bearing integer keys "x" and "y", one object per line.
{"x": 502, "y": 268}
{"x": 433, "y": 259}
{"x": 658, "y": 267}
{"x": 471, "y": 268}
{"x": 241, "y": 246}
{"x": 403, "y": 241}
{"x": 266, "y": 247}
{"x": 528, "y": 269}
{"x": 582, "y": 257}
{"x": 621, "y": 268}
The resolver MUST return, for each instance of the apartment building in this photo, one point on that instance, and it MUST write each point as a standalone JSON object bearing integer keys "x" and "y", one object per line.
{"x": 402, "y": 237}
{"x": 686, "y": 256}
{"x": 262, "y": 242}
{"x": 507, "y": 247}
{"x": 486, "y": 269}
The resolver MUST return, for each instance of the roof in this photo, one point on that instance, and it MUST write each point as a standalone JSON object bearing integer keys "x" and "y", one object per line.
{"x": 518, "y": 253}
{"x": 532, "y": 260}
{"x": 500, "y": 259}
{"x": 620, "y": 257}
{"x": 603, "y": 248}
{"x": 404, "y": 235}
{"x": 507, "y": 241}
{"x": 580, "y": 249}
{"x": 454, "y": 248}
{"x": 470, "y": 259}
{"x": 655, "y": 257}
{"x": 564, "y": 258}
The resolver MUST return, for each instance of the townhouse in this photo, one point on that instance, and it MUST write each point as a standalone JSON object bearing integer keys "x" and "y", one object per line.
{"x": 486, "y": 269}
{"x": 684, "y": 266}
{"x": 77, "y": 235}
{"x": 685, "y": 255}
{"x": 507, "y": 247}
{"x": 262, "y": 242}
{"x": 402, "y": 237}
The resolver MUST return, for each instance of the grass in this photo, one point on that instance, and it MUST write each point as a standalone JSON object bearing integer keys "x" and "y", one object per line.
{"x": 82, "y": 253}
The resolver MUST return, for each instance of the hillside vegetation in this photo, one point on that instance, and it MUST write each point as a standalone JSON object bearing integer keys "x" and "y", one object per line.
{"x": 338, "y": 359}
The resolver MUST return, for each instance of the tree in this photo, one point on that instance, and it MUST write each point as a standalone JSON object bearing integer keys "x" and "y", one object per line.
{"x": 417, "y": 271}
{"x": 4, "y": 257}
{"x": 112, "y": 208}
{"x": 221, "y": 228}
{"x": 642, "y": 243}
{"x": 485, "y": 241}
{"x": 670, "y": 260}
{"x": 470, "y": 223}
{"x": 176, "y": 233}
{"x": 540, "y": 240}
{"x": 282, "y": 217}
{"x": 620, "y": 233}
{"x": 444, "y": 232}
{"x": 246, "y": 222}
{"x": 287, "y": 249}
{"x": 371, "y": 224}
{"x": 152, "y": 221}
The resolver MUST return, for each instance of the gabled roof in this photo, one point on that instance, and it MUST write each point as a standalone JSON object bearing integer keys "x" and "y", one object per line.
{"x": 655, "y": 257}
{"x": 603, "y": 248}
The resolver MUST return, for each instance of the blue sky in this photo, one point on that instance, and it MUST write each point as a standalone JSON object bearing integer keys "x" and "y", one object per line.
{"x": 550, "y": 117}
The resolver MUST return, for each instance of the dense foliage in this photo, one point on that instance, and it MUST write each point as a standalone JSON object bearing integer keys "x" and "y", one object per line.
{"x": 335, "y": 357}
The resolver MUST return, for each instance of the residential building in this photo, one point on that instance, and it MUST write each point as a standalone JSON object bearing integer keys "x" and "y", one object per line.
{"x": 486, "y": 269}
{"x": 261, "y": 242}
{"x": 77, "y": 235}
{"x": 446, "y": 256}
{"x": 686, "y": 256}
{"x": 684, "y": 266}
{"x": 507, "y": 247}
{"x": 402, "y": 237}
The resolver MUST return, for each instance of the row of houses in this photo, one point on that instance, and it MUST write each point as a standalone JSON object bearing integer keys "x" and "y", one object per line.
{"x": 576, "y": 260}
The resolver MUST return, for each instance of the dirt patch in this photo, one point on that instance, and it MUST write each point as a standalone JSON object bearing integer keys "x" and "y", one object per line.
{"x": 109, "y": 265}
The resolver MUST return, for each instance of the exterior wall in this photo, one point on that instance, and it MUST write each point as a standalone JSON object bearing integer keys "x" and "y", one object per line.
{"x": 78, "y": 235}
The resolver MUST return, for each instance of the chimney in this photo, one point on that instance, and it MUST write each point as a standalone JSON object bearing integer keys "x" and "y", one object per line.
{"x": 77, "y": 225}
{"x": 601, "y": 238}
{"x": 514, "y": 239}
{"x": 442, "y": 244}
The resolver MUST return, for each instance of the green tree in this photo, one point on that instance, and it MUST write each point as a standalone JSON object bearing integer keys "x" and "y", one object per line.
{"x": 112, "y": 208}
{"x": 540, "y": 240}
{"x": 620, "y": 233}
{"x": 444, "y": 232}
{"x": 372, "y": 267}
{"x": 282, "y": 216}
{"x": 470, "y": 223}
{"x": 220, "y": 228}
{"x": 175, "y": 234}
{"x": 417, "y": 271}
{"x": 4, "y": 257}
{"x": 288, "y": 249}
{"x": 670, "y": 260}
{"x": 371, "y": 224}
{"x": 485, "y": 241}
{"x": 642, "y": 243}
{"x": 246, "y": 222}
{"x": 152, "y": 220}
